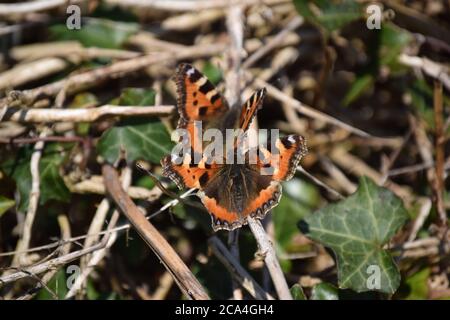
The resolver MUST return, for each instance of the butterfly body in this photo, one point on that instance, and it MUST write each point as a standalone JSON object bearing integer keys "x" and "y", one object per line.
{"x": 233, "y": 190}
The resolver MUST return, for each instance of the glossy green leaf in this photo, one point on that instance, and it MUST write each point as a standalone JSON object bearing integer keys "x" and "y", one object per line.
{"x": 5, "y": 204}
{"x": 356, "y": 229}
{"x": 101, "y": 33}
{"x": 297, "y": 292}
{"x": 324, "y": 291}
{"x": 138, "y": 138}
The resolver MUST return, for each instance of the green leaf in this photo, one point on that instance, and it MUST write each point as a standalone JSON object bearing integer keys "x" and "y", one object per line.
{"x": 356, "y": 229}
{"x": 83, "y": 100}
{"x": 140, "y": 139}
{"x": 137, "y": 97}
{"x": 5, "y": 204}
{"x": 422, "y": 101}
{"x": 52, "y": 186}
{"x": 418, "y": 285}
{"x": 358, "y": 87}
{"x": 58, "y": 286}
{"x": 297, "y": 292}
{"x": 91, "y": 292}
{"x": 213, "y": 73}
{"x": 324, "y": 291}
{"x": 298, "y": 200}
{"x": 383, "y": 49}
{"x": 330, "y": 15}
{"x": 393, "y": 40}
{"x": 101, "y": 33}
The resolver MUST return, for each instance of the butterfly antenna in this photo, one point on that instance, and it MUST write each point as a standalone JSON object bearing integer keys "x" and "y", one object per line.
{"x": 157, "y": 182}
{"x": 173, "y": 195}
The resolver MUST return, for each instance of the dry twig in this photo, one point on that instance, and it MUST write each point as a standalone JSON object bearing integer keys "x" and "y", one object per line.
{"x": 184, "y": 278}
{"x": 82, "y": 115}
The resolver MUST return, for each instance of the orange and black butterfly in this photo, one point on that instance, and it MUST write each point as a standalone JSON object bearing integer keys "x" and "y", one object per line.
{"x": 230, "y": 192}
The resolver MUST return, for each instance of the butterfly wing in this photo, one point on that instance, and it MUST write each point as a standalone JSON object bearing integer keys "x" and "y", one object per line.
{"x": 235, "y": 192}
{"x": 187, "y": 174}
{"x": 250, "y": 107}
{"x": 284, "y": 160}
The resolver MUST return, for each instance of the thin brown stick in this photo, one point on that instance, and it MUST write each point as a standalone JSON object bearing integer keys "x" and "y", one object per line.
{"x": 275, "y": 42}
{"x": 123, "y": 227}
{"x": 306, "y": 110}
{"x": 45, "y": 139}
{"x": 440, "y": 156}
{"x": 30, "y": 6}
{"x": 239, "y": 274}
{"x": 43, "y": 267}
{"x": 322, "y": 184}
{"x": 29, "y": 71}
{"x": 82, "y": 115}
{"x": 24, "y": 242}
{"x": 431, "y": 68}
{"x": 64, "y": 226}
{"x": 265, "y": 247}
{"x": 235, "y": 27}
{"x": 118, "y": 69}
{"x": 88, "y": 262}
{"x": 184, "y": 278}
{"x": 233, "y": 96}
{"x": 180, "y": 5}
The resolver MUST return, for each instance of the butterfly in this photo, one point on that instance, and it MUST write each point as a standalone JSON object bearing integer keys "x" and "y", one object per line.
{"x": 230, "y": 192}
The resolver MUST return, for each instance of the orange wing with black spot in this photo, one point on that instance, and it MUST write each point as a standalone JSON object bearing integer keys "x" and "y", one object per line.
{"x": 187, "y": 174}
{"x": 198, "y": 99}
{"x": 285, "y": 158}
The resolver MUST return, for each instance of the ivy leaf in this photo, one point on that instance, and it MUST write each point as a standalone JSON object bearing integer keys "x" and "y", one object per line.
{"x": 5, "y": 204}
{"x": 324, "y": 291}
{"x": 356, "y": 229}
{"x": 137, "y": 97}
{"x": 52, "y": 186}
{"x": 140, "y": 139}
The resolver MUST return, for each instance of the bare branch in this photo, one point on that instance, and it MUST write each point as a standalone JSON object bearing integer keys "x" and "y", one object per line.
{"x": 180, "y": 5}
{"x": 431, "y": 68}
{"x": 267, "y": 251}
{"x": 184, "y": 278}
{"x": 82, "y": 115}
